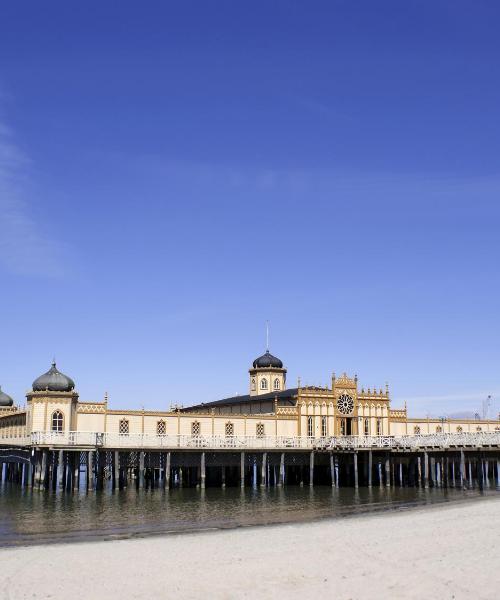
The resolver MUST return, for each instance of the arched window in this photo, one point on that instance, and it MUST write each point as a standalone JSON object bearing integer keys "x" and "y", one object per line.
{"x": 263, "y": 384}
{"x": 310, "y": 430}
{"x": 161, "y": 428}
{"x": 253, "y": 384}
{"x": 416, "y": 430}
{"x": 57, "y": 421}
{"x": 479, "y": 428}
{"x": 276, "y": 384}
{"x": 195, "y": 428}
{"x": 379, "y": 426}
{"x": 367, "y": 427}
{"x": 324, "y": 427}
{"x": 123, "y": 428}
{"x": 439, "y": 429}
{"x": 459, "y": 429}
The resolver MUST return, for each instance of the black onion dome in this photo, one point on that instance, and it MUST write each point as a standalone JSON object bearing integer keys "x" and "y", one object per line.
{"x": 267, "y": 360}
{"x": 5, "y": 399}
{"x": 54, "y": 381}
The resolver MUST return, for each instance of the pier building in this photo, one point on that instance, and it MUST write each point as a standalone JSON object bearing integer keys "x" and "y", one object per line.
{"x": 342, "y": 433}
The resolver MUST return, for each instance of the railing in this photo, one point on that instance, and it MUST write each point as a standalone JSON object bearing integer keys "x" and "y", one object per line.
{"x": 15, "y": 440}
{"x": 438, "y": 440}
{"x": 238, "y": 443}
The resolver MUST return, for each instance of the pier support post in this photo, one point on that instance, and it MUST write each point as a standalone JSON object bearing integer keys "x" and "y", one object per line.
{"x": 438, "y": 474}
{"x": 223, "y": 473}
{"x": 462, "y": 468}
{"x": 76, "y": 471}
{"x": 141, "y": 470}
{"x": 432, "y": 471}
{"x": 387, "y": 471}
{"x": 498, "y": 472}
{"x": 202, "y": 471}
{"x": 337, "y": 475}
{"x": 400, "y": 473}
{"x": 167, "y": 470}
{"x": 370, "y": 468}
{"x": 356, "y": 479}
{"x": 471, "y": 482}
{"x": 263, "y": 470}
{"x": 332, "y": 469}
{"x": 311, "y": 469}
{"x": 426, "y": 470}
{"x": 60, "y": 468}
{"x": 116, "y": 469}
{"x": 242, "y": 469}
{"x": 380, "y": 478}
{"x": 90, "y": 471}
{"x": 453, "y": 472}
{"x": 43, "y": 469}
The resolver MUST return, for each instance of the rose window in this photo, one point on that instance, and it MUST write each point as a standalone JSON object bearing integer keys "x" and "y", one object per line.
{"x": 345, "y": 404}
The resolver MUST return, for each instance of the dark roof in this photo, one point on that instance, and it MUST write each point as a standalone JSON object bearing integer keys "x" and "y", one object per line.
{"x": 267, "y": 360}
{"x": 283, "y": 395}
{"x": 54, "y": 381}
{"x": 5, "y": 399}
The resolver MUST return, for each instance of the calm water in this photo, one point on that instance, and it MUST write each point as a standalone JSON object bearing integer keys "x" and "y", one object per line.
{"x": 33, "y": 517}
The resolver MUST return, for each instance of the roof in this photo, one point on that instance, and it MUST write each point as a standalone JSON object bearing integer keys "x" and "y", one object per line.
{"x": 283, "y": 395}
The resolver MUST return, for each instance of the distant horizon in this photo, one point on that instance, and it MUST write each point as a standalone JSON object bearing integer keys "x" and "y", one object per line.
{"x": 174, "y": 175}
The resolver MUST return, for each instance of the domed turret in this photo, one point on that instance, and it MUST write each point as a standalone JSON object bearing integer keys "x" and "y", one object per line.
{"x": 267, "y": 375}
{"x": 53, "y": 381}
{"x": 5, "y": 399}
{"x": 267, "y": 361}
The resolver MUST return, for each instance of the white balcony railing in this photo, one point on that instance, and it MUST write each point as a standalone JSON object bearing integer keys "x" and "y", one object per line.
{"x": 238, "y": 443}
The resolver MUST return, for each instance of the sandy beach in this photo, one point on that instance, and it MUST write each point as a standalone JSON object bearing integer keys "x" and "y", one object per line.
{"x": 447, "y": 551}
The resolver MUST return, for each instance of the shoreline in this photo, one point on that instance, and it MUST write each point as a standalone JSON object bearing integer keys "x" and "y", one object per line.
{"x": 94, "y": 536}
{"x": 450, "y": 552}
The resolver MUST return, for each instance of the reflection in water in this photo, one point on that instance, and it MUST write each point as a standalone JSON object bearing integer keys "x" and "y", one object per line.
{"x": 28, "y": 517}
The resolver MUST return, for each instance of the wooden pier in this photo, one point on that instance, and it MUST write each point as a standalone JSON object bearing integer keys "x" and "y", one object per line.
{"x": 92, "y": 461}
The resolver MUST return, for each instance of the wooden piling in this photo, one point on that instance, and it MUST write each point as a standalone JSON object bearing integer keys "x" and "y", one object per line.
{"x": 370, "y": 468}
{"x": 356, "y": 479}
{"x": 202, "y": 471}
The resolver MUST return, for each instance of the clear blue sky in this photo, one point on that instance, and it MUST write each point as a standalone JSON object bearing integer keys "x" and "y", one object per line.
{"x": 172, "y": 174}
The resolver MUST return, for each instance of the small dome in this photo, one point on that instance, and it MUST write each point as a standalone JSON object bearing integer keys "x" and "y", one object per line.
{"x": 54, "y": 381}
{"x": 267, "y": 360}
{"x": 5, "y": 399}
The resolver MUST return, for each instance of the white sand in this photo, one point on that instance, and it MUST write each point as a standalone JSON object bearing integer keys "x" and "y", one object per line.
{"x": 439, "y": 552}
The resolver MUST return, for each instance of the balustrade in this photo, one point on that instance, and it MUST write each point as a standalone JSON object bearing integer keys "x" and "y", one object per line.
{"x": 222, "y": 442}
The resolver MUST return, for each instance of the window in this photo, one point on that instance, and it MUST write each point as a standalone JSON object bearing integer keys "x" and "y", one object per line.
{"x": 195, "y": 428}
{"x": 161, "y": 428}
{"x": 379, "y": 426}
{"x": 276, "y": 384}
{"x": 367, "y": 427}
{"x": 459, "y": 429}
{"x": 259, "y": 429}
{"x": 57, "y": 421}
{"x": 479, "y": 428}
{"x": 263, "y": 384}
{"x": 342, "y": 426}
{"x": 253, "y": 384}
{"x": 123, "y": 427}
{"x": 229, "y": 429}
{"x": 324, "y": 427}
{"x": 439, "y": 429}
{"x": 310, "y": 426}
{"x": 416, "y": 430}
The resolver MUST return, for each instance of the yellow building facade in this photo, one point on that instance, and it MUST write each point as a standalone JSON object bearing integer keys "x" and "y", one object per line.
{"x": 268, "y": 410}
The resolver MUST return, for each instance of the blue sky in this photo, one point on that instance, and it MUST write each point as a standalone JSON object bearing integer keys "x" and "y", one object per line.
{"x": 172, "y": 175}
